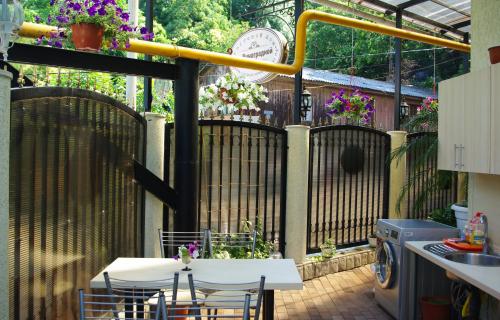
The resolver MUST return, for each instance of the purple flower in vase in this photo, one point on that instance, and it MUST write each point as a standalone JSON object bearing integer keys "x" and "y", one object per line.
{"x": 176, "y": 257}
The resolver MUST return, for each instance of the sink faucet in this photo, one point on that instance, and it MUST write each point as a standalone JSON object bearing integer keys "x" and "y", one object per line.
{"x": 484, "y": 221}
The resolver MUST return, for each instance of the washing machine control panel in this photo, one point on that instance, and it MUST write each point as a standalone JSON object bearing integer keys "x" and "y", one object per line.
{"x": 394, "y": 234}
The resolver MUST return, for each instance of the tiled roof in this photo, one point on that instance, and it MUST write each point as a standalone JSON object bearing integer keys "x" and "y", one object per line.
{"x": 362, "y": 83}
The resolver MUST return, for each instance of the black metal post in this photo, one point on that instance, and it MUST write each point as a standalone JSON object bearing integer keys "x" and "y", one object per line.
{"x": 466, "y": 56}
{"x": 148, "y": 81}
{"x": 299, "y": 8}
{"x": 186, "y": 145}
{"x": 397, "y": 72}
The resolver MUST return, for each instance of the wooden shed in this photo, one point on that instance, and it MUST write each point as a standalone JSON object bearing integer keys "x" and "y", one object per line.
{"x": 321, "y": 84}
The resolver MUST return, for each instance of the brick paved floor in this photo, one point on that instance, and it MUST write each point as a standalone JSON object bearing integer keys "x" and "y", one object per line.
{"x": 345, "y": 295}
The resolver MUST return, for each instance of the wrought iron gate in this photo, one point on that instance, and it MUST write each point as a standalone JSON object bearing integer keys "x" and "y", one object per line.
{"x": 348, "y": 184}
{"x": 74, "y": 204}
{"x": 242, "y": 176}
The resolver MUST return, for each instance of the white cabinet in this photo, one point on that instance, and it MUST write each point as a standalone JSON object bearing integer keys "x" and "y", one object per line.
{"x": 465, "y": 126}
{"x": 495, "y": 119}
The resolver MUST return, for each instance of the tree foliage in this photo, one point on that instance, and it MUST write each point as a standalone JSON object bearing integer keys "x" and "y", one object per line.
{"x": 201, "y": 24}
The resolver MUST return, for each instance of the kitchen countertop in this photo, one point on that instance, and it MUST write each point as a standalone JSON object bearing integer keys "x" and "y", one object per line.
{"x": 486, "y": 279}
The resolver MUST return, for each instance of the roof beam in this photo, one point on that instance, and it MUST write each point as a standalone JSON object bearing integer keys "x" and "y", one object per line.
{"x": 410, "y": 3}
{"x": 462, "y": 24}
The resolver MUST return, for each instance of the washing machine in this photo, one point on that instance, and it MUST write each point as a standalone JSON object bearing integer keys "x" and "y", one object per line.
{"x": 390, "y": 279}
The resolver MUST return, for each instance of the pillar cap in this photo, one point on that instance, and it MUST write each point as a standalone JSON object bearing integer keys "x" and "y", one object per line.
{"x": 297, "y": 126}
{"x": 5, "y": 73}
{"x": 397, "y": 132}
{"x": 153, "y": 115}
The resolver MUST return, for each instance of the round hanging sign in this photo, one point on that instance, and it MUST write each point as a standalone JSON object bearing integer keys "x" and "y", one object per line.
{"x": 262, "y": 44}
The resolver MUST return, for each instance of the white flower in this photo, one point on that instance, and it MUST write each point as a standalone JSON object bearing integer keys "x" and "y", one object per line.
{"x": 196, "y": 254}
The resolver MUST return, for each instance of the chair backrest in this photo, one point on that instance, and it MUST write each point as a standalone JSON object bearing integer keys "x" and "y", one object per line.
{"x": 224, "y": 295}
{"x": 171, "y": 241}
{"x": 200, "y": 311}
{"x": 245, "y": 241}
{"x": 143, "y": 289}
{"x": 117, "y": 307}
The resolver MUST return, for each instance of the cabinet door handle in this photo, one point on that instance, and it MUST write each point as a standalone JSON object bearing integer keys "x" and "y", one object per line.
{"x": 455, "y": 157}
{"x": 462, "y": 165}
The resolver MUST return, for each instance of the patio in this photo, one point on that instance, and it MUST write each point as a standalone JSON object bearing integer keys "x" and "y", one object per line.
{"x": 97, "y": 189}
{"x": 347, "y": 295}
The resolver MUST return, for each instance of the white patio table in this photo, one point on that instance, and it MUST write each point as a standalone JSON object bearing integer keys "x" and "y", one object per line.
{"x": 281, "y": 274}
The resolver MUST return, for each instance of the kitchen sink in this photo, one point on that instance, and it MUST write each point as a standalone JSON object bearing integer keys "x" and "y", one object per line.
{"x": 476, "y": 259}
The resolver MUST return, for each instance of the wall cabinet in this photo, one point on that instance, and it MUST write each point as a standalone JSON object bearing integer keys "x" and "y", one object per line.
{"x": 469, "y": 122}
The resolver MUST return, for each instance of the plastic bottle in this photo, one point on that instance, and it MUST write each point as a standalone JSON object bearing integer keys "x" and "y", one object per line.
{"x": 477, "y": 230}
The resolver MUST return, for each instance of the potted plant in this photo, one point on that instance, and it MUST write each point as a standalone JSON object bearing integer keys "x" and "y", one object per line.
{"x": 372, "y": 240}
{"x": 328, "y": 248}
{"x": 91, "y": 25}
{"x": 186, "y": 254}
{"x": 356, "y": 106}
{"x": 231, "y": 95}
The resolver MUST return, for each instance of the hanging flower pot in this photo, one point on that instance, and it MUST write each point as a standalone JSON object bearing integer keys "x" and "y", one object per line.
{"x": 494, "y": 54}
{"x": 87, "y": 36}
{"x": 93, "y": 24}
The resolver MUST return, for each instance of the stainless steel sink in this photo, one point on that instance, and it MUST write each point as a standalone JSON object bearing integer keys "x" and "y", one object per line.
{"x": 476, "y": 259}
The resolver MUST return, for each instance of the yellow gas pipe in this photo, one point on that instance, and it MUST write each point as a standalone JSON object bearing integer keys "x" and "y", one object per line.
{"x": 32, "y": 30}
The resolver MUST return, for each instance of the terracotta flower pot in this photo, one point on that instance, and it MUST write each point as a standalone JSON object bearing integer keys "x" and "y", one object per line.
{"x": 87, "y": 36}
{"x": 494, "y": 54}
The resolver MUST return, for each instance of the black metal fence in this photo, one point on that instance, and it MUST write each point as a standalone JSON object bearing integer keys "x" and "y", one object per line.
{"x": 242, "y": 176}
{"x": 74, "y": 204}
{"x": 348, "y": 184}
{"x": 421, "y": 174}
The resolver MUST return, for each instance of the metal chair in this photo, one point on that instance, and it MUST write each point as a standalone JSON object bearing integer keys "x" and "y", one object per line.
{"x": 223, "y": 295}
{"x": 151, "y": 290}
{"x": 245, "y": 241}
{"x": 116, "y": 306}
{"x": 170, "y": 241}
{"x": 241, "y": 310}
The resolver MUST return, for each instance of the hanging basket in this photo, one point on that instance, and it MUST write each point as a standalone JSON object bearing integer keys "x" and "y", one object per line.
{"x": 87, "y": 36}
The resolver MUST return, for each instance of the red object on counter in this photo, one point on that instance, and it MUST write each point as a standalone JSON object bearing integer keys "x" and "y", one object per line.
{"x": 460, "y": 244}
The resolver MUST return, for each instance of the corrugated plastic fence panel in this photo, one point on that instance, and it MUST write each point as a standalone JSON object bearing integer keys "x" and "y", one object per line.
{"x": 74, "y": 204}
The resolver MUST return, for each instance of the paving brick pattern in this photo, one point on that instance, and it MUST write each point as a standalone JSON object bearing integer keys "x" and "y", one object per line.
{"x": 344, "y": 295}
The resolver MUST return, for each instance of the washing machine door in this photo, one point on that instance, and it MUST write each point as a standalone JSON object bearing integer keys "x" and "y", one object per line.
{"x": 385, "y": 265}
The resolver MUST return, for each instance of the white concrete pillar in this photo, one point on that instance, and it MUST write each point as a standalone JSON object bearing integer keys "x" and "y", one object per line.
{"x": 5, "y": 78}
{"x": 154, "y": 163}
{"x": 397, "y": 177}
{"x": 131, "y": 89}
{"x": 296, "y": 194}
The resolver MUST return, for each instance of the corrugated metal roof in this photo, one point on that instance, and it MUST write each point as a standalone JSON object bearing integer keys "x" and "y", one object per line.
{"x": 325, "y": 76}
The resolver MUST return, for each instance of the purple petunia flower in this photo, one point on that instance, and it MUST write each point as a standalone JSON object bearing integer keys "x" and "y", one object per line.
{"x": 39, "y": 40}
{"x": 37, "y": 19}
{"x": 58, "y": 44}
{"x": 114, "y": 44}
{"x": 62, "y": 19}
{"x": 92, "y": 11}
{"x": 52, "y": 2}
{"x": 125, "y": 27}
{"x": 125, "y": 16}
{"x": 49, "y": 19}
{"x": 77, "y": 7}
{"x": 144, "y": 30}
{"x": 127, "y": 44}
{"x": 102, "y": 11}
{"x": 148, "y": 36}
